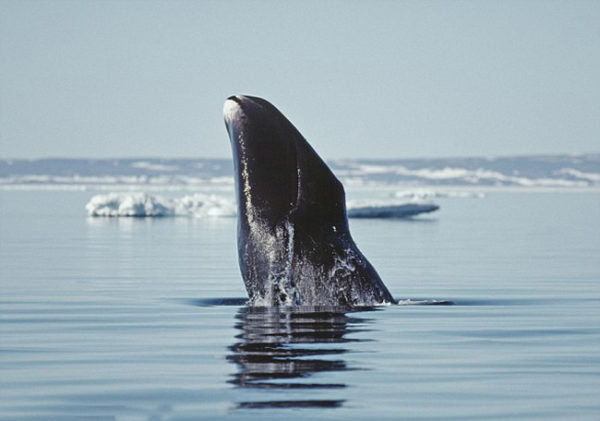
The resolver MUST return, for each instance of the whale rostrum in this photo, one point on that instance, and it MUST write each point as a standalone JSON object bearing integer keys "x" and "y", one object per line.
{"x": 294, "y": 244}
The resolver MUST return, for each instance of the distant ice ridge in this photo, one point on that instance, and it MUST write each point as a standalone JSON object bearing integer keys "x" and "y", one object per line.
{"x": 479, "y": 176}
{"x": 142, "y": 204}
{"x": 424, "y": 194}
{"x": 135, "y": 174}
{"x": 100, "y": 181}
{"x": 591, "y": 176}
{"x": 203, "y": 206}
{"x": 153, "y": 166}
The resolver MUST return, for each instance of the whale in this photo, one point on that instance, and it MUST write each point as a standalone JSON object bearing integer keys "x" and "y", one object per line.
{"x": 294, "y": 242}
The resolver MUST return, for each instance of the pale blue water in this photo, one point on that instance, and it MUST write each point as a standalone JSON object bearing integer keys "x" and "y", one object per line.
{"x": 123, "y": 319}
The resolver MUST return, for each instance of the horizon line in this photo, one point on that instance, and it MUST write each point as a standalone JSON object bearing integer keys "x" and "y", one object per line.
{"x": 140, "y": 157}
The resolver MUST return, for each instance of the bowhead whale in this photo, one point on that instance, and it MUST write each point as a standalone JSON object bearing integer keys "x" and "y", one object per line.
{"x": 294, "y": 244}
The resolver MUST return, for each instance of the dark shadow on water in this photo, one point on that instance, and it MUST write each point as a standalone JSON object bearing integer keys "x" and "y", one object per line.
{"x": 209, "y": 302}
{"x": 282, "y": 349}
{"x": 292, "y": 404}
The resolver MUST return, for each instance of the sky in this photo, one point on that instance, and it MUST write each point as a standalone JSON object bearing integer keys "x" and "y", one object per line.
{"x": 359, "y": 79}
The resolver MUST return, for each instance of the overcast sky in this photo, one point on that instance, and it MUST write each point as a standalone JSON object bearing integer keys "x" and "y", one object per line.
{"x": 359, "y": 79}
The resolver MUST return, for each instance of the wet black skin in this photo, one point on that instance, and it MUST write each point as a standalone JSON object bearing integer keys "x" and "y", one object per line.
{"x": 294, "y": 244}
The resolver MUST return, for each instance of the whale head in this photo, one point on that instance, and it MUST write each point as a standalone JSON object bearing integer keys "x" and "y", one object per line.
{"x": 294, "y": 245}
{"x": 277, "y": 172}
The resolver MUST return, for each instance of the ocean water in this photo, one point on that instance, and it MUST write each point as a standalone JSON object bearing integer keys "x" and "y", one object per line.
{"x": 144, "y": 318}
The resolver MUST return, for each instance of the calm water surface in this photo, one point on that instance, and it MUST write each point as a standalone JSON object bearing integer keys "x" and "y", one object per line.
{"x": 143, "y": 319}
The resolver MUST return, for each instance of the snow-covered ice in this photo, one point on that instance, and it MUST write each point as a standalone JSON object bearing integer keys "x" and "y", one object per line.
{"x": 204, "y": 205}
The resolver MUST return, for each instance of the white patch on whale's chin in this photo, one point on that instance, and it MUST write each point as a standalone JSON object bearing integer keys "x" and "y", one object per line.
{"x": 231, "y": 111}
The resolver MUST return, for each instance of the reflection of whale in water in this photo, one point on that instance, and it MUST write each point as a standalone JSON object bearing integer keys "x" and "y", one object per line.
{"x": 294, "y": 243}
{"x": 283, "y": 350}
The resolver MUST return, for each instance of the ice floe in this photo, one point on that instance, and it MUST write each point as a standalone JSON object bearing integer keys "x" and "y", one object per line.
{"x": 144, "y": 205}
{"x": 203, "y": 205}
